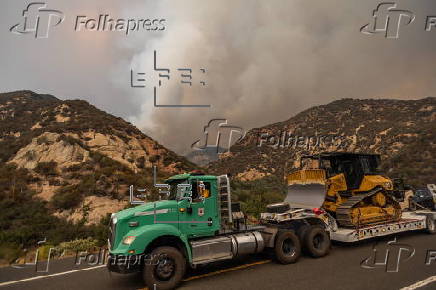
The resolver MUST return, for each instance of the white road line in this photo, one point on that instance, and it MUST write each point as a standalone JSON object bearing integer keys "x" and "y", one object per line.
{"x": 420, "y": 284}
{"x": 51, "y": 275}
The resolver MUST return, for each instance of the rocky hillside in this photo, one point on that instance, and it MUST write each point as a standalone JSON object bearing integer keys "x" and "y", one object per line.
{"x": 77, "y": 159}
{"x": 403, "y": 132}
{"x": 205, "y": 156}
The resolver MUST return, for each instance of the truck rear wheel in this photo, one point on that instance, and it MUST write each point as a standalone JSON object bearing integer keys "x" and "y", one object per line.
{"x": 287, "y": 247}
{"x": 317, "y": 242}
{"x": 166, "y": 268}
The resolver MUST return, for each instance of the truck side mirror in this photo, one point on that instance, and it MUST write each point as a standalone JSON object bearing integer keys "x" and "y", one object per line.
{"x": 188, "y": 198}
{"x": 183, "y": 190}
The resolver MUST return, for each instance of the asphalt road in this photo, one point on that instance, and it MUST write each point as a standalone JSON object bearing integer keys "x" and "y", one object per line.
{"x": 340, "y": 270}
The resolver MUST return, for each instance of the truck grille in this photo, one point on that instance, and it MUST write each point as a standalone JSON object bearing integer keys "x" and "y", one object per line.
{"x": 111, "y": 236}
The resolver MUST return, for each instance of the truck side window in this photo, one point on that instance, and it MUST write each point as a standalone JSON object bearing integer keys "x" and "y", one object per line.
{"x": 206, "y": 190}
{"x": 200, "y": 189}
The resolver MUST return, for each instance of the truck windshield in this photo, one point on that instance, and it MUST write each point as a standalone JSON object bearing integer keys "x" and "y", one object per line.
{"x": 173, "y": 187}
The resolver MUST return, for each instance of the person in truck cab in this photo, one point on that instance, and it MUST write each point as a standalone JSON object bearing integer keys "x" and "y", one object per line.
{"x": 200, "y": 190}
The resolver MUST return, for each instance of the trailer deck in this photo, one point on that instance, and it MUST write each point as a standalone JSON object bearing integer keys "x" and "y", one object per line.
{"x": 410, "y": 221}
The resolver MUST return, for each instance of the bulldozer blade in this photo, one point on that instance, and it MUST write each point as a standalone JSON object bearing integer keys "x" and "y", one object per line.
{"x": 306, "y": 195}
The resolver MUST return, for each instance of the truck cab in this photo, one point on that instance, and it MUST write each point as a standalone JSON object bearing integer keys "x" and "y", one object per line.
{"x": 189, "y": 210}
{"x": 193, "y": 206}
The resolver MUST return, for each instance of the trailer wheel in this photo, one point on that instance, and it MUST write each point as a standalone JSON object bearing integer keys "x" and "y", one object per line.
{"x": 166, "y": 268}
{"x": 287, "y": 247}
{"x": 317, "y": 242}
{"x": 301, "y": 232}
{"x": 431, "y": 226}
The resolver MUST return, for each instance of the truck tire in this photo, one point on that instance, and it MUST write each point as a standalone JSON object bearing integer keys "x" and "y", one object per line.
{"x": 431, "y": 225}
{"x": 317, "y": 242}
{"x": 287, "y": 248}
{"x": 166, "y": 268}
{"x": 302, "y": 231}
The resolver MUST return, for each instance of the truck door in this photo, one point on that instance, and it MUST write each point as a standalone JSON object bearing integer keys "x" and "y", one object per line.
{"x": 199, "y": 217}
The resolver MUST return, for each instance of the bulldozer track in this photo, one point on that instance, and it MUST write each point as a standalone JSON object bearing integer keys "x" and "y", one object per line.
{"x": 343, "y": 213}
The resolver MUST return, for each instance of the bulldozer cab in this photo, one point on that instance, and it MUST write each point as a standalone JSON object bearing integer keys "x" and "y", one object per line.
{"x": 354, "y": 166}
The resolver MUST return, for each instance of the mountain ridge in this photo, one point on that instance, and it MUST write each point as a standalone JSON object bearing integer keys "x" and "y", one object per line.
{"x": 78, "y": 154}
{"x": 392, "y": 128}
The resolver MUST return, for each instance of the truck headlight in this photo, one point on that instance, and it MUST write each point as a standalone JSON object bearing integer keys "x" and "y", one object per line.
{"x": 114, "y": 218}
{"x": 128, "y": 240}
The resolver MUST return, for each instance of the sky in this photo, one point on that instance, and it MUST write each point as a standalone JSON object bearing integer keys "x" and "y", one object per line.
{"x": 251, "y": 62}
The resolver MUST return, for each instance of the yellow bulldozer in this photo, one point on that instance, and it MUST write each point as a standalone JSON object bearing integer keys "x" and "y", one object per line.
{"x": 346, "y": 185}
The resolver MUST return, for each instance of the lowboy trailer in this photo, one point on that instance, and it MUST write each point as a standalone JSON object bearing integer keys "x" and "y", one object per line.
{"x": 202, "y": 226}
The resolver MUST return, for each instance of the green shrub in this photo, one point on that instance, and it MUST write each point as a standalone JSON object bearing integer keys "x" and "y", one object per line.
{"x": 30, "y": 155}
{"x": 70, "y": 140}
{"x": 87, "y": 185}
{"x": 73, "y": 168}
{"x": 67, "y": 197}
{"x": 140, "y": 162}
{"x": 168, "y": 160}
{"x": 257, "y": 194}
{"x": 154, "y": 158}
{"x": 47, "y": 168}
{"x": 54, "y": 181}
{"x": 44, "y": 251}
{"x": 9, "y": 252}
{"x": 42, "y": 140}
{"x": 78, "y": 245}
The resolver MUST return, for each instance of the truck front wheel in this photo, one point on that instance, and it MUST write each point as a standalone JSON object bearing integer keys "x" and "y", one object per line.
{"x": 165, "y": 269}
{"x": 317, "y": 241}
{"x": 287, "y": 247}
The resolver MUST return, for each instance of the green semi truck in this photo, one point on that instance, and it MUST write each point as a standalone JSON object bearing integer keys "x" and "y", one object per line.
{"x": 198, "y": 223}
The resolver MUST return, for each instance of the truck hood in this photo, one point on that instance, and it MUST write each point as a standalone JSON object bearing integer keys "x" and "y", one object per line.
{"x": 148, "y": 207}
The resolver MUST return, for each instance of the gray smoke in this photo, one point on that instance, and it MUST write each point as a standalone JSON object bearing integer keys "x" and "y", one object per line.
{"x": 268, "y": 60}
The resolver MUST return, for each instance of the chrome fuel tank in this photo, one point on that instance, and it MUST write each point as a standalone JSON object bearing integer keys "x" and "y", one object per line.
{"x": 247, "y": 243}
{"x": 226, "y": 247}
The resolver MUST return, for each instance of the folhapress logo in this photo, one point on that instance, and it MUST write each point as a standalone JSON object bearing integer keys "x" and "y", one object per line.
{"x": 38, "y": 20}
{"x": 215, "y": 133}
{"x": 388, "y": 20}
{"x": 391, "y": 257}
